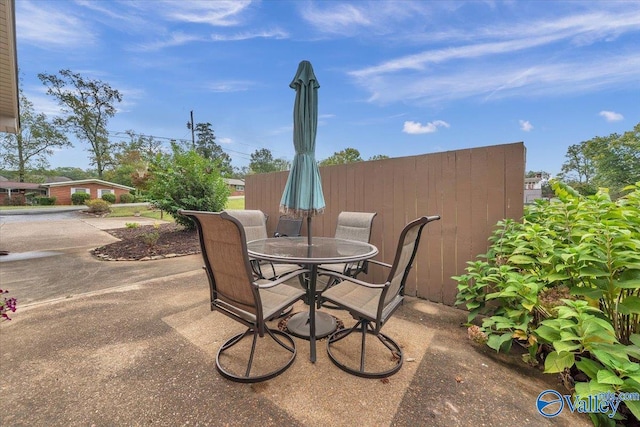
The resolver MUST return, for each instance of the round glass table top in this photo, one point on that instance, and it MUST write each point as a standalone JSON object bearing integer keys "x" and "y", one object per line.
{"x": 322, "y": 250}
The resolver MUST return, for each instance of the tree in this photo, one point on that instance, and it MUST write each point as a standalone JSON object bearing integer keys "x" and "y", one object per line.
{"x": 36, "y": 140}
{"x": 612, "y": 162}
{"x": 617, "y": 160}
{"x": 71, "y": 173}
{"x": 186, "y": 180}
{"x": 579, "y": 166}
{"x": 262, "y": 161}
{"x": 132, "y": 158}
{"x": 379, "y": 157}
{"x": 348, "y": 155}
{"x": 206, "y": 146}
{"x": 87, "y": 106}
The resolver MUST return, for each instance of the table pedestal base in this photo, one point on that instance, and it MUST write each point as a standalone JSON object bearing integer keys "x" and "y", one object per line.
{"x": 298, "y": 324}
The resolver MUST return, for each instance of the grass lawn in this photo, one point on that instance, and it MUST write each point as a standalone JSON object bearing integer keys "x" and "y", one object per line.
{"x": 146, "y": 212}
{"x": 143, "y": 211}
{"x": 235, "y": 203}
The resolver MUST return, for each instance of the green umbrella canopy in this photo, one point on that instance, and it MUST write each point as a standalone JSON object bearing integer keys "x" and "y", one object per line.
{"x": 302, "y": 196}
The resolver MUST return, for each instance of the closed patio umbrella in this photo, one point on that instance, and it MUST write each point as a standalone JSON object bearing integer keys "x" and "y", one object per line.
{"x": 302, "y": 196}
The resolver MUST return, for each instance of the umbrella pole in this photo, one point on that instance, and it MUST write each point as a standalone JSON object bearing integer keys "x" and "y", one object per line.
{"x": 309, "y": 230}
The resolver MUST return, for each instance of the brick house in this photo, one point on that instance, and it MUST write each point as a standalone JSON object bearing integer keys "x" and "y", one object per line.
{"x": 62, "y": 191}
{"x": 235, "y": 185}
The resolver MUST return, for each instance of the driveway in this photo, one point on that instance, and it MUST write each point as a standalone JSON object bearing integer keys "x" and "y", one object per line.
{"x": 54, "y": 250}
{"x": 108, "y": 343}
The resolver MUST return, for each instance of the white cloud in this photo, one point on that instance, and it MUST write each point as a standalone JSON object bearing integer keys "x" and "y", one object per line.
{"x": 485, "y": 68}
{"x": 526, "y": 125}
{"x": 215, "y": 13}
{"x": 46, "y": 26}
{"x": 415, "y": 128}
{"x": 174, "y": 39}
{"x": 224, "y": 140}
{"x": 277, "y": 34}
{"x": 502, "y": 80}
{"x": 611, "y": 116}
{"x": 343, "y": 19}
{"x": 230, "y": 86}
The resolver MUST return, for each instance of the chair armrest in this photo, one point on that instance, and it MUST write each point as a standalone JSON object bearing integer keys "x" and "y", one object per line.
{"x": 282, "y": 279}
{"x": 351, "y": 279}
{"x": 384, "y": 264}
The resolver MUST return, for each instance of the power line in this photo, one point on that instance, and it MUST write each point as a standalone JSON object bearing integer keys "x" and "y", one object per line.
{"x": 120, "y": 134}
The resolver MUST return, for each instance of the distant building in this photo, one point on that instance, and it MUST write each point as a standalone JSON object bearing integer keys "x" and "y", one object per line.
{"x": 62, "y": 190}
{"x": 236, "y": 186}
{"x": 533, "y": 188}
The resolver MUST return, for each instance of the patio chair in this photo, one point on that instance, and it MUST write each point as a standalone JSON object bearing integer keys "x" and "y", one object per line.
{"x": 351, "y": 226}
{"x": 236, "y": 294}
{"x": 372, "y": 305}
{"x": 255, "y": 227}
{"x": 288, "y": 226}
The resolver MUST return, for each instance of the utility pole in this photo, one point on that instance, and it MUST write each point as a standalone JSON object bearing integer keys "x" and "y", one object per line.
{"x": 193, "y": 135}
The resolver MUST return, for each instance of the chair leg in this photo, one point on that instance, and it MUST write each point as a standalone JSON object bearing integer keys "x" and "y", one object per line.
{"x": 287, "y": 343}
{"x": 364, "y": 327}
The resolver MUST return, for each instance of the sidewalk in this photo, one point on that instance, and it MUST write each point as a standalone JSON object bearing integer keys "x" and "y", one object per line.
{"x": 134, "y": 343}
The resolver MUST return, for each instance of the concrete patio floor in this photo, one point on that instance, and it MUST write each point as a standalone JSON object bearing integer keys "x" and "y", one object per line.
{"x": 134, "y": 343}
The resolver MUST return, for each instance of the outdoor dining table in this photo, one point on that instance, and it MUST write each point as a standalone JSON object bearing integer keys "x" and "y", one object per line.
{"x": 323, "y": 250}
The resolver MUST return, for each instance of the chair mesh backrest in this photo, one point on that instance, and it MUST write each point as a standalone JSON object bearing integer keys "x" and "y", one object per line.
{"x": 354, "y": 226}
{"x": 224, "y": 248}
{"x": 405, "y": 254}
{"x": 288, "y": 227}
{"x": 253, "y": 221}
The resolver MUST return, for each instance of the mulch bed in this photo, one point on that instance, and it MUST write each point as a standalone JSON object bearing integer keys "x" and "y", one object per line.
{"x": 149, "y": 242}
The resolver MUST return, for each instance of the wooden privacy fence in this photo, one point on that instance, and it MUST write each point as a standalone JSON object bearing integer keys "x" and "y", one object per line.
{"x": 470, "y": 189}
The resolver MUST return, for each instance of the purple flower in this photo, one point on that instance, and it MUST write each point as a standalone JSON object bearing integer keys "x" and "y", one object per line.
{"x": 9, "y": 304}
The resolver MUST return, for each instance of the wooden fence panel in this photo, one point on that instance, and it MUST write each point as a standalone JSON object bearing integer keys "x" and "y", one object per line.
{"x": 470, "y": 189}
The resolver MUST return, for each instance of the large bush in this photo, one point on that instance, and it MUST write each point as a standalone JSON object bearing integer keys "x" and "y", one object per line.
{"x": 127, "y": 198}
{"x": 44, "y": 201}
{"x": 565, "y": 284}
{"x": 186, "y": 180}
{"x": 109, "y": 197}
{"x": 98, "y": 206}
{"x": 80, "y": 198}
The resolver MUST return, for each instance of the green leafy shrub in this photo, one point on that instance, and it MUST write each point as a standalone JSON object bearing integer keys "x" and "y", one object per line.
{"x": 80, "y": 198}
{"x": 127, "y": 198}
{"x": 98, "y": 206}
{"x": 15, "y": 200}
{"x": 565, "y": 283}
{"x": 109, "y": 197}
{"x": 186, "y": 180}
{"x": 131, "y": 224}
{"x": 150, "y": 238}
{"x": 45, "y": 201}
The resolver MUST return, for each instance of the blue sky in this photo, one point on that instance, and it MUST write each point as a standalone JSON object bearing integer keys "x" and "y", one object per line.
{"x": 397, "y": 78}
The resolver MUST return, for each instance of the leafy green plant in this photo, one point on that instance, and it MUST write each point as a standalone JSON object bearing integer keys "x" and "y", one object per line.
{"x": 98, "y": 206}
{"x": 44, "y": 201}
{"x": 109, "y": 197}
{"x": 127, "y": 198}
{"x": 80, "y": 198}
{"x": 186, "y": 180}
{"x": 131, "y": 224}
{"x": 565, "y": 283}
{"x": 150, "y": 238}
